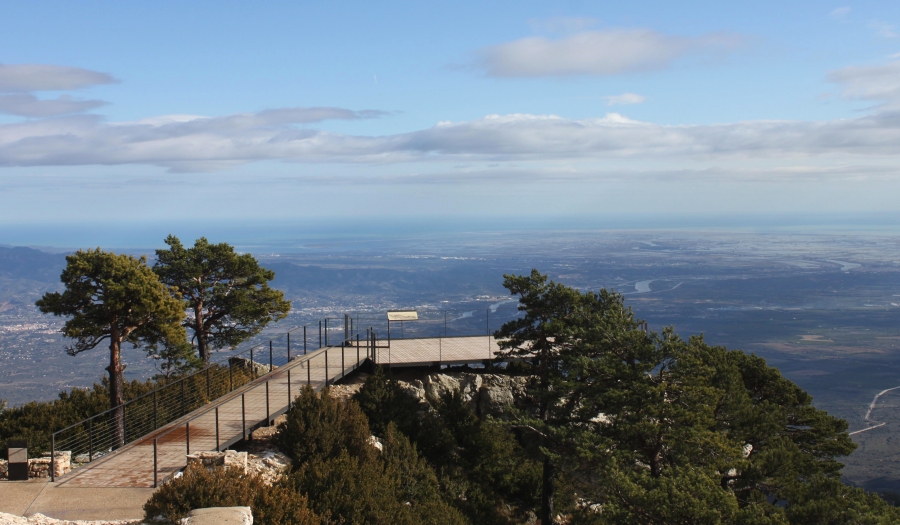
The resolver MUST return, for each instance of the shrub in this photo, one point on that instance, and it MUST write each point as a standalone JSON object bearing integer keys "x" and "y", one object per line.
{"x": 384, "y": 402}
{"x": 319, "y": 427}
{"x": 200, "y": 488}
{"x": 396, "y": 487}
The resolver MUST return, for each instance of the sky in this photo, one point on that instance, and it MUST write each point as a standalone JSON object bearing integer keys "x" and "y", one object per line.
{"x": 136, "y": 113}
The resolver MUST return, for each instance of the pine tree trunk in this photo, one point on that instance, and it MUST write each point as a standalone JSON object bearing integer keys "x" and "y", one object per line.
{"x": 116, "y": 387}
{"x": 547, "y": 488}
{"x": 202, "y": 344}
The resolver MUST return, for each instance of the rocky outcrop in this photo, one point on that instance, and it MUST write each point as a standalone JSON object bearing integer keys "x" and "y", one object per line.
{"x": 269, "y": 464}
{"x": 486, "y": 394}
{"x": 212, "y": 459}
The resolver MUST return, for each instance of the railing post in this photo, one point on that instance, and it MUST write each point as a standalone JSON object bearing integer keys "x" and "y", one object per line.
{"x": 155, "y": 406}
{"x": 343, "y": 366}
{"x": 270, "y": 355}
{"x": 91, "y": 437}
{"x": 52, "y": 457}
{"x": 243, "y": 418}
{"x": 308, "y": 372}
{"x": 183, "y": 400}
{"x": 155, "y": 469}
{"x": 289, "y": 390}
{"x": 187, "y": 436}
{"x": 326, "y": 331}
{"x": 357, "y": 352}
{"x": 488, "y": 324}
{"x": 289, "y": 347}
{"x": 217, "y": 429}
{"x": 320, "y": 333}
{"x": 304, "y": 339}
{"x": 268, "y": 412}
{"x": 326, "y": 366}
{"x": 346, "y": 327}
{"x": 445, "y": 323}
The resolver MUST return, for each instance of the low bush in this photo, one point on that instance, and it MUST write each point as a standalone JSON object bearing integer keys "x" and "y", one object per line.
{"x": 319, "y": 427}
{"x": 200, "y": 488}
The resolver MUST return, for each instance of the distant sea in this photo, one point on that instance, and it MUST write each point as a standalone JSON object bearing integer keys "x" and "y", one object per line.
{"x": 341, "y": 232}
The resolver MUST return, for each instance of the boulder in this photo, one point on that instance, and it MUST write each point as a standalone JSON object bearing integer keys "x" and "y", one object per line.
{"x": 220, "y": 516}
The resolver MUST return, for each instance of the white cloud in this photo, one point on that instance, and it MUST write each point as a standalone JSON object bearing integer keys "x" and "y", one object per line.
{"x": 209, "y": 144}
{"x": 606, "y": 52}
{"x": 16, "y": 78}
{"x": 879, "y": 83}
{"x": 27, "y": 105}
{"x": 840, "y": 13}
{"x": 624, "y": 99}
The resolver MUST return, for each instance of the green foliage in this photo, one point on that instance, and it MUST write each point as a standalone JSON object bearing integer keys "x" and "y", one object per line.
{"x": 344, "y": 476}
{"x": 114, "y": 298}
{"x": 227, "y": 293}
{"x": 384, "y": 402}
{"x": 644, "y": 427}
{"x": 202, "y": 488}
{"x": 319, "y": 427}
{"x": 482, "y": 469}
{"x": 175, "y": 359}
{"x": 397, "y": 487}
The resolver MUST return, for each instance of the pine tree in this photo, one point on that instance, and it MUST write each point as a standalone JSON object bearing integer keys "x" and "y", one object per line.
{"x": 117, "y": 299}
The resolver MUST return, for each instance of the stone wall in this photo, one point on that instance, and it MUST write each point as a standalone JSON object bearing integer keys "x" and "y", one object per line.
{"x": 40, "y": 467}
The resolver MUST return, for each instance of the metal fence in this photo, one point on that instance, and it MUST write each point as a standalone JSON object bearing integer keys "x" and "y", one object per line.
{"x": 257, "y": 404}
{"x": 276, "y": 364}
{"x": 107, "y": 431}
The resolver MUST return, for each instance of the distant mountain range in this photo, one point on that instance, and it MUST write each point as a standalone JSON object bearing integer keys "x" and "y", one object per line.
{"x": 28, "y": 263}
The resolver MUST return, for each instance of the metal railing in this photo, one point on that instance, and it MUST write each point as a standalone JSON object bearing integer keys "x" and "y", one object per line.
{"x": 257, "y": 403}
{"x": 108, "y": 431}
{"x": 111, "y": 429}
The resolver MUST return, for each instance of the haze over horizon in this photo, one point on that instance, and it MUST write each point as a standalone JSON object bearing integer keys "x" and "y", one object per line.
{"x": 281, "y": 113}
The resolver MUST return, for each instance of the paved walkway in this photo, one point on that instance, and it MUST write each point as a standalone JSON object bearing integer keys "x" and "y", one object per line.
{"x": 229, "y": 418}
{"x": 24, "y": 498}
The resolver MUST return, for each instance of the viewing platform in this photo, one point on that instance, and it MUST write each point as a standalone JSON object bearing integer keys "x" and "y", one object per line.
{"x": 222, "y": 421}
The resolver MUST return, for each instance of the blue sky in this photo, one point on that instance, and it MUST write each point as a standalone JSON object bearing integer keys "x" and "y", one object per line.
{"x": 207, "y": 111}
